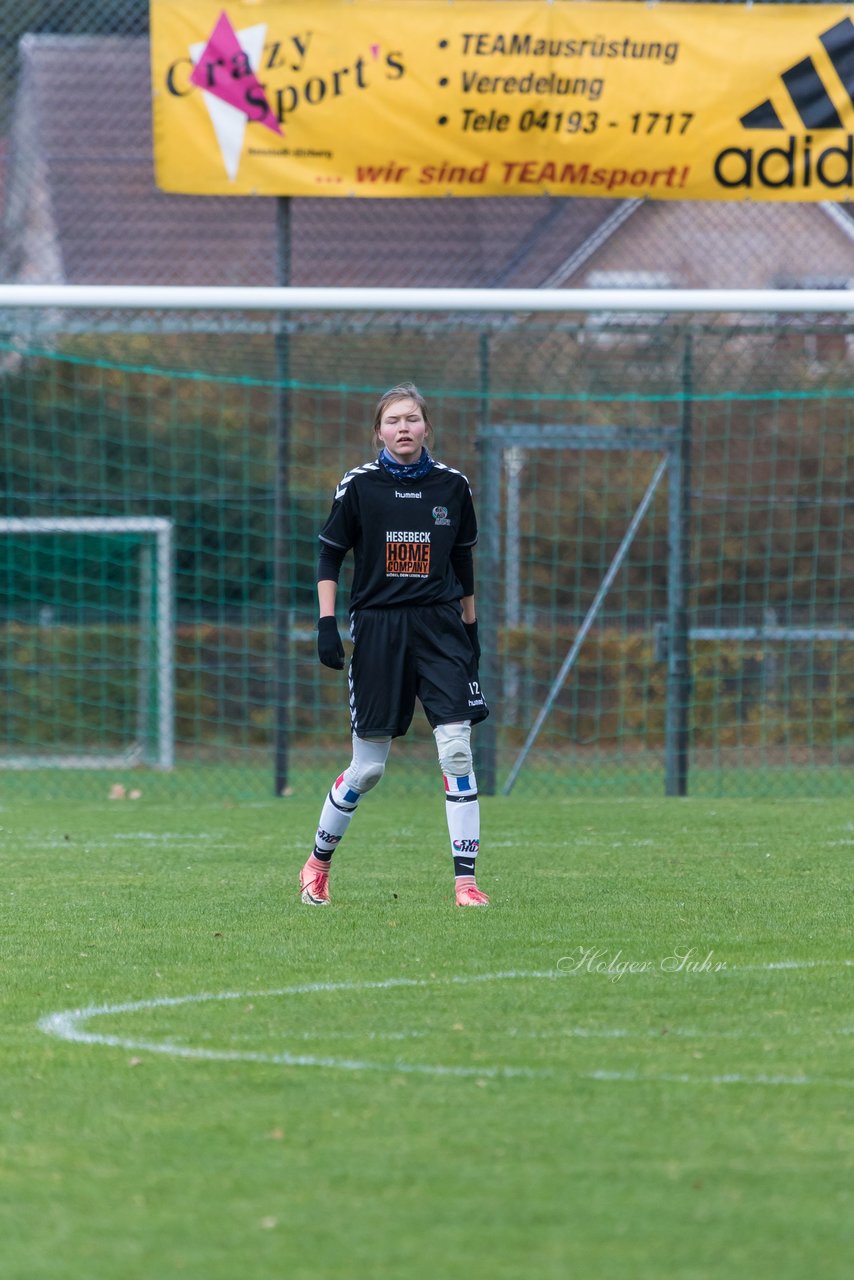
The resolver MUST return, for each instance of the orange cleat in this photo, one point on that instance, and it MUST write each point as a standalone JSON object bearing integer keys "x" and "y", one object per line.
{"x": 468, "y": 895}
{"x": 314, "y": 884}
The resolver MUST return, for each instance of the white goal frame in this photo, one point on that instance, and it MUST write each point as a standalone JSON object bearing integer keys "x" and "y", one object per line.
{"x": 159, "y": 575}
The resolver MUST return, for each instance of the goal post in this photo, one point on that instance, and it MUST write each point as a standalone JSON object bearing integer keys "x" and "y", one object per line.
{"x": 709, "y": 655}
{"x": 149, "y": 658}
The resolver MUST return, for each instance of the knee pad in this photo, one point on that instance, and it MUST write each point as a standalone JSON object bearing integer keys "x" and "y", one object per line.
{"x": 453, "y": 742}
{"x": 368, "y": 763}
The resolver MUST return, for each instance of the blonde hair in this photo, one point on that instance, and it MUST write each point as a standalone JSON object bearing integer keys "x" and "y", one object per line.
{"x": 403, "y": 391}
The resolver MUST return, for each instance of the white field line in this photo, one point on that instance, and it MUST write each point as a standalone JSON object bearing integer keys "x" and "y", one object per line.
{"x": 70, "y": 1025}
{"x": 733, "y": 1077}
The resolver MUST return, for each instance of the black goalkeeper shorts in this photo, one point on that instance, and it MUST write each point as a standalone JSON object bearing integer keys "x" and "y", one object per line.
{"x": 401, "y": 654}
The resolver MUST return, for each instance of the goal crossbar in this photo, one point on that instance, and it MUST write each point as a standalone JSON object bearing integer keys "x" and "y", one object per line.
{"x": 225, "y": 298}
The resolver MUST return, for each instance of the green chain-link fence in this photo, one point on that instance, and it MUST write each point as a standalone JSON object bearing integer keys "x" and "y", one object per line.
{"x": 129, "y": 420}
{"x": 559, "y": 426}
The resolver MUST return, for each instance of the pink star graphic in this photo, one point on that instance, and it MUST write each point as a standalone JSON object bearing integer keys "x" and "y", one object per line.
{"x": 224, "y": 71}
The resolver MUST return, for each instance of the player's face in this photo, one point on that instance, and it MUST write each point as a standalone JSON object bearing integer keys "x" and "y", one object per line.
{"x": 402, "y": 429}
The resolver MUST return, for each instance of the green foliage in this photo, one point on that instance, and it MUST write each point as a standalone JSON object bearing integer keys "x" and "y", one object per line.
{"x": 169, "y": 425}
{"x": 68, "y": 687}
{"x": 77, "y": 685}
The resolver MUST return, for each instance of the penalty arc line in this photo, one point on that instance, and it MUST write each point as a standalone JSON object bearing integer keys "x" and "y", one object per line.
{"x": 70, "y": 1025}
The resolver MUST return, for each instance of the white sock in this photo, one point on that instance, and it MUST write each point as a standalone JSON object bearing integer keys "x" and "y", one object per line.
{"x": 462, "y": 810}
{"x": 338, "y": 809}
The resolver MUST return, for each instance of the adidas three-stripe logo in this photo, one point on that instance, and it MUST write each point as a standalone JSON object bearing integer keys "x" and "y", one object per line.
{"x": 807, "y": 89}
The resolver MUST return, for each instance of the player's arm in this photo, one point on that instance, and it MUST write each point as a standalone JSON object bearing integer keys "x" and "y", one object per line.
{"x": 330, "y": 650}
{"x": 327, "y": 590}
{"x": 336, "y": 539}
{"x": 463, "y": 566}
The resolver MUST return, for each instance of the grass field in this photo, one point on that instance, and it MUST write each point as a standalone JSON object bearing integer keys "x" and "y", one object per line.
{"x": 392, "y": 1087}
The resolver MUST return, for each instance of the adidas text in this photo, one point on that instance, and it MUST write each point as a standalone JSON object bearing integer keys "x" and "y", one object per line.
{"x": 795, "y": 164}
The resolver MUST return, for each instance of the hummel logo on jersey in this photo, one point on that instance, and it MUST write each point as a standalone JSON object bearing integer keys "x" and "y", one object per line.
{"x": 398, "y": 494}
{"x": 798, "y": 162}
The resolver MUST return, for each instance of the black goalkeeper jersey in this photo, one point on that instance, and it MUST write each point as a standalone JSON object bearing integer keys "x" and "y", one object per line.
{"x": 402, "y": 534}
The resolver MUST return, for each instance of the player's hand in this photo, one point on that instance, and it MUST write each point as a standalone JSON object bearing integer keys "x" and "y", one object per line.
{"x": 471, "y": 632}
{"x": 330, "y": 650}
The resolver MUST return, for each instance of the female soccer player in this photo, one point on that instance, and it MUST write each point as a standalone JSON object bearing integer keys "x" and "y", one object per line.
{"x": 411, "y": 524}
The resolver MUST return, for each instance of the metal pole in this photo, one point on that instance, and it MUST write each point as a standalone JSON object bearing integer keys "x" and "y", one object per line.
{"x": 678, "y": 706}
{"x": 165, "y": 646}
{"x": 514, "y": 460}
{"x": 146, "y": 613}
{"x": 486, "y": 738}
{"x": 589, "y": 619}
{"x": 282, "y": 514}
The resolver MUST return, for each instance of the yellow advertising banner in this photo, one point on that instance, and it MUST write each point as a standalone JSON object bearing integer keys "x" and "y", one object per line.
{"x": 429, "y": 98}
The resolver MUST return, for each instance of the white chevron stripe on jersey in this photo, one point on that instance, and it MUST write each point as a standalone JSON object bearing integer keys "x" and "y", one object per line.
{"x": 354, "y": 716}
{"x": 356, "y": 471}
{"x": 441, "y": 466}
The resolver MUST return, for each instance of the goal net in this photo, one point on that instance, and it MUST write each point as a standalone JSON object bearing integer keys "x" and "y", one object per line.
{"x": 666, "y": 503}
{"x": 88, "y": 646}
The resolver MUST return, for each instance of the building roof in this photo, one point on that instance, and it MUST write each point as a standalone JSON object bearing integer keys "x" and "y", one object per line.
{"x": 86, "y": 159}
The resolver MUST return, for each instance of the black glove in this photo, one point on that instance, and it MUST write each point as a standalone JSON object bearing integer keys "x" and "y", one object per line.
{"x": 330, "y": 650}
{"x": 471, "y": 632}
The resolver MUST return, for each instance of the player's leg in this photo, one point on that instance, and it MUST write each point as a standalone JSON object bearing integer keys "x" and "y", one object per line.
{"x": 361, "y": 775}
{"x": 462, "y": 809}
{"x": 449, "y": 689}
{"x": 382, "y": 700}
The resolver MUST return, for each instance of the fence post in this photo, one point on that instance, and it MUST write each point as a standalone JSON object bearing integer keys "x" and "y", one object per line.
{"x": 282, "y": 541}
{"x": 487, "y": 566}
{"x": 678, "y": 706}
